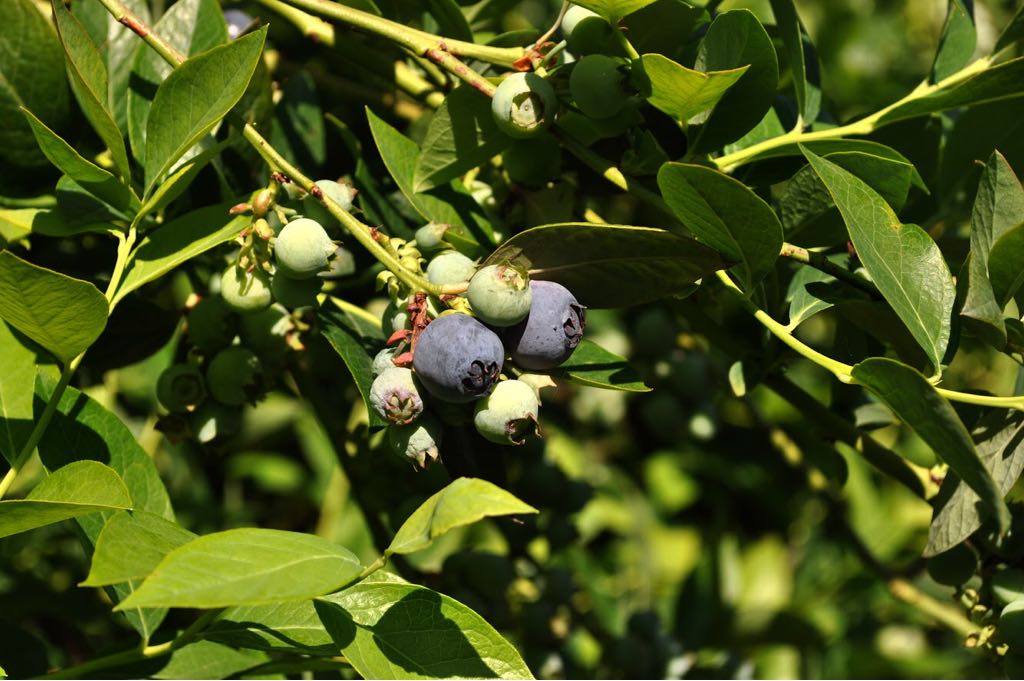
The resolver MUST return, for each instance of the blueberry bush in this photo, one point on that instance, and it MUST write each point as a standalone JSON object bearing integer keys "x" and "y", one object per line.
{"x": 488, "y": 338}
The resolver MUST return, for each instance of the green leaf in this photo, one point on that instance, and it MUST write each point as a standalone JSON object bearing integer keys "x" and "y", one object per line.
{"x": 959, "y": 38}
{"x": 678, "y": 91}
{"x": 178, "y": 241}
{"x": 1003, "y": 81}
{"x": 89, "y": 81}
{"x": 389, "y": 629}
{"x": 803, "y": 63}
{"x": 1000, "y": 443}
{"x": 209, "y": 660}
{"x": 998, "y": 211}
{"x": 356, "y": 341}
{"x": 803, "y": 304}
{"x": 62, "y": 314}
{"x": 726, "y": 215}
{"x": 32, "y": 75}
{"x": 912, "y": 398}
{"x": 463, "y": 502}
{"x": 245, "y": 566}
{"x": 1013, "y": 31}
{"x": 469, "y": 232}
{"x": 592, "y": 365}
{"x": 87, "y": 174}
{"x": 904, "y": 262}
{"x": 735, "y": 39}
{"x": 194, "y": 98}
{"x": 179, "y": 180}
{"x": 76, "y": 489}
{"x": 190, "y": 27}
{"x": 975, "y": 134}
{"x": 610, "y": 265}
{"x": 131, "y": 545}
{"x": 17, "y": 383}
{"x": 462, "y": 135}
{"x": 298, "y": 132}
{"x": 826, "y": 147}
{"x": 275, "y": 626}
{"x": 613, "y": 10}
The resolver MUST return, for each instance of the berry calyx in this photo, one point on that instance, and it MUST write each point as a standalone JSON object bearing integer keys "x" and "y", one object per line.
{"x": 180, "y": 388}
{"x": 524, "y": 105}
{"x": 419, "y": 442}
{"x": 395, "y": 397}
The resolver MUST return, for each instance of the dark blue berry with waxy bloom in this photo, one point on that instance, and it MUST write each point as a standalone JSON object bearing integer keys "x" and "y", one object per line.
{"x": 552, "y": 330}
{"x": 457, "y": 358}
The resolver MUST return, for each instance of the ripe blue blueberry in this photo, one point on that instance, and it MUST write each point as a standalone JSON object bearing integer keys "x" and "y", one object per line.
{"x": 450, "y": 267}
{"x": 500, "y": 295}
{"x": 302, "y": 249}
{"x": 524, "y": 105}
{"x": 395, "y": 397}
{"x": 508, "y": 414}
{"x": 419, "y": 442}
{"x": 552, "y": 330}
{"x": 457, "y": 358}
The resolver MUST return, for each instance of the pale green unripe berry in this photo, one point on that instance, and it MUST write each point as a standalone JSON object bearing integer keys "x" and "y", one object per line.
{"x": 303, "y": 249}
{"x": 341, "y": 194}
{"x": 500, "y": 295}
{"x": 508, "y": 414}
{"x": 235, "y": 376}
{"x": 394, "y": 395}
{"x": 450, "y": 267}
{"x": 180, "y": 387}
{"x": 524, "y": 105}
{"x": 383, "y": 360}
{"x": 246, "y": 292}
{"x": 586, "y": 32}
{"x": 430, "y": 236}
{"x": 419, "y": 442}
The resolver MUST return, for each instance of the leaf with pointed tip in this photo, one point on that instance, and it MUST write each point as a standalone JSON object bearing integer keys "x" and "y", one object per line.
{"x": 356, "y": 342}
{"x": 911, "y": 397}
{"x": 89, "y": 81}
{"x": 243, "y": 567}
{"x": 17, "y": 383}
{"x": 1013, "y": 31}
{"x": 726, "y": 215}
{"x": 76, "y": 489}
{"x": 959, "y": 38}
{"x": 131, "y": 545}
{"x": 194, "y": 98}
{"x": 209, "y": 660}
{"x": 903, "y": 260}
{"x": 678, "y": 91}
{"x": 613, "y": 10}
{"x": 592, "y": 365}
{"x": 462, "y": 502}
{"x": 390, "y": 629}
{"x": 803, "y": 63}
{"x": 62, "y": 314}
{"x": 610, "y": 265}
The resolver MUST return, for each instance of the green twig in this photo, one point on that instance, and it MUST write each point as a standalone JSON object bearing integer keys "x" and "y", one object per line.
{"x": 946, "y": 615}
{"x": 823, "y": 264}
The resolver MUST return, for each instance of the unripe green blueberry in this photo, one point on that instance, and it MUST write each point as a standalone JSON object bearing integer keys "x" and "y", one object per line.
{"x": 180, "y": 387}
{"x": 246, "y": 292}
{"x": 419, "y": 442}
{"x": 508, "y": 414}
{"x": 211, "y": 325}
{"x": 295, "y": 293}
{"x": 395, "y": 397}
{"x": 213, "y": 420}
{"x": 341, "y": 194}
{"x": 524, "y": 105}
{"x": 383, "y": 360}
{"x": 1008, "y": 585}
{"x": 586, "y": 32}
{"x": 450, "y": 267}
{"x": 302, "y": 249}
{"x": 598, "y": 85}
{"x": 395, "y": 317}
{"x": 500, "y": 295}
{"x": 430, "y": 237}
{"x": 341, "y": 264}
{"x": 235, "y": 376}
{"x": 533, "y": 162}
{"x": 953, "y": 567}
{"x": 266, "y": 334}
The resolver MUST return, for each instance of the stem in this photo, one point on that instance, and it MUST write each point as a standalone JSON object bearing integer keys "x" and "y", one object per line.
{"x": 945, "y": 614}
{"x": 623, "y": 41}
{"x": 413, "y": 39}
{"x": 820, "y": 262}
{"x": 452, "y": 64}
{"x": 546, "y": 36}
{"x": 124, "y": 247}
{"x": 361, "y": 232}
{"x": 864, "y": 126}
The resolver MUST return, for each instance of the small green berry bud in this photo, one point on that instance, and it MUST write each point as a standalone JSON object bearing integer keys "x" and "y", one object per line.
{"x": 450, "y": 267}
{"x": 246, "y": 292}
{"x": 419, "y": 442}
{"x": 508, "y": 414}
{"x": 430, "y": 236}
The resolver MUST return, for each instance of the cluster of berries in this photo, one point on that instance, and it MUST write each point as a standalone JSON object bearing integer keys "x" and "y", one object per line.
{"x": 239, "y": 336}
{"x": 457, "y": 358}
